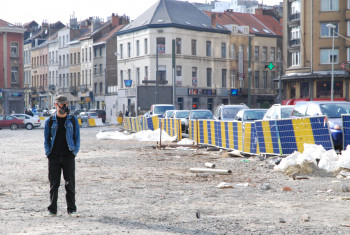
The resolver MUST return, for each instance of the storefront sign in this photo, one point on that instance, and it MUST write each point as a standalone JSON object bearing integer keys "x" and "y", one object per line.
{"x": 128, "y": 83}
{"x": 201, "y": 91}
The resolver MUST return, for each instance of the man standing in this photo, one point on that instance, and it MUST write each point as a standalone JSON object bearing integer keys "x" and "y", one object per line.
{"x": 62, "y": 143}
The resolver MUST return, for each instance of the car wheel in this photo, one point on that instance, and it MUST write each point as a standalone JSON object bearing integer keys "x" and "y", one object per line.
{"x": 14, "y": 127}
{"x": 29, "y": 126}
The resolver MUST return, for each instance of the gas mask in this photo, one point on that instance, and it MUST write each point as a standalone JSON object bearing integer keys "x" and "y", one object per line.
{"x": 64, "y": 109}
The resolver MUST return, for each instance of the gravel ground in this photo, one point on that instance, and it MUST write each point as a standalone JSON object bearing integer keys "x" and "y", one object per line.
{"x": 129, "y": 187}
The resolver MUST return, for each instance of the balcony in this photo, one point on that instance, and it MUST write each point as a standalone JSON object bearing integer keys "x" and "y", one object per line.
{"x": 295, "y": 16}
{"x": 73, "y": 90}
{"x": 294, "y": 42}
{"x": 83, "y": 88}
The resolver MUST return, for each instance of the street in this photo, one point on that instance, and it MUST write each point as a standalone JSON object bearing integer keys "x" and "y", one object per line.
{"x": 132, "y": 187}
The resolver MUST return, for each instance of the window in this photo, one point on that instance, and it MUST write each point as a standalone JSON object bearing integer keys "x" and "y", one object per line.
{"x": 178, "y": 46}
{"x": 161, "y": 45}
{"x": 75, "y": 58}
{"x": 348, "y": 54}
{"x": 348, "y": 27}
{"x": 256, "y": 79}
{"x": 264, "y": 53}
{"x": 194, "y": 76}
{"x": 295, "y": 58}
{"x": 223, "y": 50}
{"x": 101, "y": 87}
{"x": 326, "y": 56}
{"x": 295, "y": 33}
{"x": 304, "y": 90}
{"x": 137, "y": 48}
{"x": 95, "y": 69}
{"x": 328, "y": 32}
{"x": 233, "y": 51}
{"x": 272, "y": 54}
{"x": 137, "y": 75}
{"x": 178, "y": 71}
{"x": 101, "y": 51}
{"x": 233, "y": 78}
{"x": 208, "y": 77}
{"x": 129, "y": 49}
{"x": 146, "y": 73}
{"x": 329, "y": 5}
{"x": 129, "y": 74}
{"x": 90, "y": 53}
{"x": 79, "y": 57}
{"x": 121, "y": 51}
{"x": 273, "y": 76}
{"x": 14, "y": 49}
{"x": 95, "y": 52}
{"x": 193, "y": 47}
{"x": 86, "y": 57}
{"x": 224, "y": 77}
{"x": 14, "y": 74}
{"x": 348, "y": 4}
{"x": 256, "y": 53}
{"x": 95, "y": 87}
{"x": 121, "y": 78}
{"x": 101, "y": 69}
{"x": 146, "y": 46}
{"x": 208, "y": 48}
{"x": 265, "y": 79}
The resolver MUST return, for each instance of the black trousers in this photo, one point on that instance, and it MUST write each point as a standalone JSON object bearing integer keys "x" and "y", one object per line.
{"x": 62, "y": 163}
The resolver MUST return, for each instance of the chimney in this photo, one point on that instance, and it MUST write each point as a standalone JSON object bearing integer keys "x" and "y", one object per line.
{"x": 259, "y": 11}
{"x": 213, "y": 19}
{"x": 115, "y": 20}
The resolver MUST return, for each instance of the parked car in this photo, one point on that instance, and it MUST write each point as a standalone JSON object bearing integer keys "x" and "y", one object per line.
{"x": 84, "y": 116}
{"x": 168, "y": 113}
{"x": 29, "y": 121}
{"x": 278, "y": 111}
{"x": 8, "y": 121}
{"x": 332, "y": 109}
{"x": 78, "y": 111}
{"x": 198, "y": 114}
{"x": 160, "y": 109}
{"x": 228, "y": 112}
{"x": 250, "y": 115}
{"x": 101, "y": 113}
{"x": 181, "y": 114}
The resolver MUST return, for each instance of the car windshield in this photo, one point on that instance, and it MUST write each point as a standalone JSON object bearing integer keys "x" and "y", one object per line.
{"x": 201, "y": 115}
{"x": 181, "y": 114}
{"x": 230, "y": 112}
{"x": 335, "y": 110}
{"x": 286, "y": 112}
{"x": 162, "y": 109}
{"x": 250, "y": 115}
{"x": 169, "y": 113}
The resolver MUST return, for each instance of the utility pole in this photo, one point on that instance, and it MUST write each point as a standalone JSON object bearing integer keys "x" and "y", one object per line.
{"x": 156, "y": 92}
{"x": 249, "y": 70}
{"x": 173, "y": 65}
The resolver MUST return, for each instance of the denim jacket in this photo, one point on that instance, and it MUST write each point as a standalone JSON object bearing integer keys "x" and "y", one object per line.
{"x": 72, "y": 142}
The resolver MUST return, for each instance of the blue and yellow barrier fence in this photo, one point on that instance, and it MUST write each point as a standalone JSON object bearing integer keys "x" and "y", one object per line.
{"x": 346, "y": 130}
{"x": 279, "y": 137}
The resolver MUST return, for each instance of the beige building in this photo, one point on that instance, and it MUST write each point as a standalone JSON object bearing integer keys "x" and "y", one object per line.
{"x": 308, "y": 50}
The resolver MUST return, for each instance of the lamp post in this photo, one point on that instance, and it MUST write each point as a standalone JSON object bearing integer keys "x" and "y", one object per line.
{"x": 331, "y": 26}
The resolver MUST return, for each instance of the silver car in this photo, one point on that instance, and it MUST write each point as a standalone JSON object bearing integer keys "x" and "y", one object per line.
{"x": 29, "y": 121}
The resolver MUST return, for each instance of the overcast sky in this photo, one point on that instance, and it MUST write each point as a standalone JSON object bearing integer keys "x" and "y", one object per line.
{"x": 23, "y": 11}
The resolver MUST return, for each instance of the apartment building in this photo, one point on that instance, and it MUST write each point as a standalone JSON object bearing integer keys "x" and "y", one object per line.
{"x": 11, "y": 63}
{"x": 255, "y": 43}
{"x": 172, "y": 53}
{"x": 308, "y": 50}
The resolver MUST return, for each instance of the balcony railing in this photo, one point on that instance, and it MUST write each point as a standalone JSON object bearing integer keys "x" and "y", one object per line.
{"x": 295, "y": 16}
{"x": 294, "y": 42}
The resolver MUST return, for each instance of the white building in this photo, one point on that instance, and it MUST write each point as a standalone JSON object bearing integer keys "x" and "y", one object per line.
{"x": 200, "y": 52}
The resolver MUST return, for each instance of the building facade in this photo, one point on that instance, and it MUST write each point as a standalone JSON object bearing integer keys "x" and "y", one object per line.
{"x": 11, "y": 62}
{"x": 308, "y": 49}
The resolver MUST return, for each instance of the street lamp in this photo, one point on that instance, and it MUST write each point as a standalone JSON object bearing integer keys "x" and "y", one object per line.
{"x": 332, "y": 27}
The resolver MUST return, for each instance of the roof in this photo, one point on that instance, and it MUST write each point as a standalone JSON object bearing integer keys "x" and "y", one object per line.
{"x": 172, "y": 13}
{"x": 6, "y": 26}
{"x": 109, "y": 34}
{"x": 258, "y": 24}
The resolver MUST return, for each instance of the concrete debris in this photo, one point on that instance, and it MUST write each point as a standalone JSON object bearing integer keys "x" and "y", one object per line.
{"x": 224, "y": 185}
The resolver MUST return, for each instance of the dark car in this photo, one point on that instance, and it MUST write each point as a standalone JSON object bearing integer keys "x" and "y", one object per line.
{"x": 332, "y": 109}
{"x": 8, "y": 121}
{"x": 101, "y": 114}
{"x": 228, "y": 112}
{"x": 198, "y": 114}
